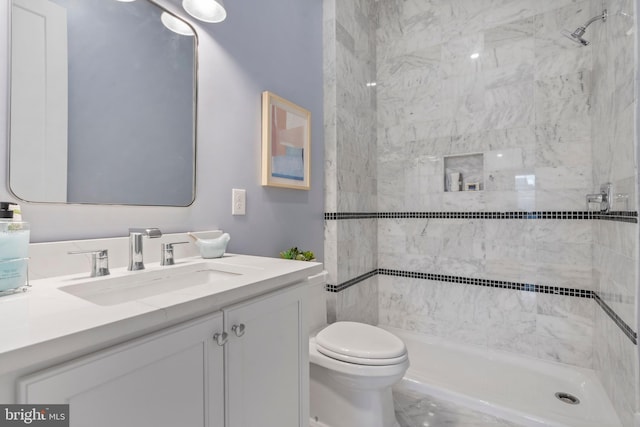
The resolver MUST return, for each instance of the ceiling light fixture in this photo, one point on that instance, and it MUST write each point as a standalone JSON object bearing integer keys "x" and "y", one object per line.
{"x": 176, "y": 25}
{"x": 206, "y": 10}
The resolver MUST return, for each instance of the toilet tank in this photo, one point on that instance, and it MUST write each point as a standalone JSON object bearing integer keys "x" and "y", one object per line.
{"x": 317, "y": 302}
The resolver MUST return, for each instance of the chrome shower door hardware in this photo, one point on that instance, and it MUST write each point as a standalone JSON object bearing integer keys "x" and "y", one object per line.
{"x": 603, "y": 198}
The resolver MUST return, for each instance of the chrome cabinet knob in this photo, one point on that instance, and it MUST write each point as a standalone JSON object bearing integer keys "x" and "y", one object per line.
{"x": 238, "y": 329}
{"x": 220, "y": 338}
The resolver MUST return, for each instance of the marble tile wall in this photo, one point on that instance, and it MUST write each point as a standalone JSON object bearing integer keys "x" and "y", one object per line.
{"x": 614, "y": 267}
{"x": 616, "y": 362}
{"x": 492, "y": 77}
{"x": 615, "y": 250}
{"x": 357, "y": 303}
{"x": 552, "y": 119}
{"x": 483, "y": 76}
{"x": 496, "y": 77}
{"x": 547, "y": 326}
{"x": 546, "y": 252}
{"x": 350, "y": 153}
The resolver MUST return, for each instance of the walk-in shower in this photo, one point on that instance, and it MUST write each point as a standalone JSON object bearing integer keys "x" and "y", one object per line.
{"x": 576, "y": 36}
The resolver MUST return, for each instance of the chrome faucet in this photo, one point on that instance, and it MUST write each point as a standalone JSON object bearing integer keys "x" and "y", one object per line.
{"x": 136, "y": 260}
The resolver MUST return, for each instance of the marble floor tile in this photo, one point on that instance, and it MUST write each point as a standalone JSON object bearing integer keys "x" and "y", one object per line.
{"x": 415, "y": 409}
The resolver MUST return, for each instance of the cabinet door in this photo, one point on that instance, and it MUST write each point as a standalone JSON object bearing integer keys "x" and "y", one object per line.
{"x": 167, "y": 379}
{"x": 267, "y": 366}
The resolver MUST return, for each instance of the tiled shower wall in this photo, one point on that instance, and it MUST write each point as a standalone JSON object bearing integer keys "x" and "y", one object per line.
{"x": 615, "y": 244}
{"x": 552, "y": 119}
{"x": 524, "y": 102}
{"x": 350, "y": 153}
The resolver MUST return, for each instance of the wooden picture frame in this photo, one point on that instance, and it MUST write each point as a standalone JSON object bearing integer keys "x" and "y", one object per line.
{"x": 286, "y": 143}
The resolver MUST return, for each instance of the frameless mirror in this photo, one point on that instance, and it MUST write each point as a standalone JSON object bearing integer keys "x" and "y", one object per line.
{"x": 102, "y": 103}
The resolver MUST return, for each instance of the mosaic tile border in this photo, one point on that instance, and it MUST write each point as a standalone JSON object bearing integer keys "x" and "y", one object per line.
{"x": 527, "y": 287}
{"x": 630, "y": 333}
{"x": 344, "y": 285}
{"x": 349, "y": 215}
{"x": 621, "y": 216}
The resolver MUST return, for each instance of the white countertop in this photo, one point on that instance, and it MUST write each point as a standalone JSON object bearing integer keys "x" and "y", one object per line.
{"x": 46, "y": 324}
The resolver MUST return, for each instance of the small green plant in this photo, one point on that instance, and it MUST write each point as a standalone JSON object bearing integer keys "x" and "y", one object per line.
{"x": 295, "y": 253}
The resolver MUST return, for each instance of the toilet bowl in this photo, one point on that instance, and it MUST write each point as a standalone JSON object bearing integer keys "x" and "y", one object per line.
{"x": 352, "y": 369}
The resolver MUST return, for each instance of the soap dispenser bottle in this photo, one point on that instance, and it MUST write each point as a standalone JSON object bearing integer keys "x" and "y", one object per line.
{"x": 14, "y": 248}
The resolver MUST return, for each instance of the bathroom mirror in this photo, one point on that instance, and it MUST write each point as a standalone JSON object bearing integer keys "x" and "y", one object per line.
{"x": 103, "y": 100}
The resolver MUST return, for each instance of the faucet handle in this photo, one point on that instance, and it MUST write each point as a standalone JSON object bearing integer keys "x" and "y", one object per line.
{"x": 166, "y": 252}
{"x": 99, "y": 261}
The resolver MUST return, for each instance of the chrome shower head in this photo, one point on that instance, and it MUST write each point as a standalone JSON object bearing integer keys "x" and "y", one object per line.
{"x": 576, "y": 36}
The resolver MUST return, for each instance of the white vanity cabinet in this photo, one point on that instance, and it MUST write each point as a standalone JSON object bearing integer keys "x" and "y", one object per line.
{"x": 188, "y": 376}
{"x": 170, "y": 378}
{"x": 267, "y": 361}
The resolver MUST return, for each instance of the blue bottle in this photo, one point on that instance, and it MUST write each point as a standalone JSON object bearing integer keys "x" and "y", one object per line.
{"x": 14, "y": 249}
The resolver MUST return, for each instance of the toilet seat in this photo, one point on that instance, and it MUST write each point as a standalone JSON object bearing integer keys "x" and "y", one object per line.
{"x": 360, "y": 344}
{"x": 362, "y": 360}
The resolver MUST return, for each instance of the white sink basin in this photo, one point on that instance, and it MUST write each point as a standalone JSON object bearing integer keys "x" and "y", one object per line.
{"x": 110, "y": 290}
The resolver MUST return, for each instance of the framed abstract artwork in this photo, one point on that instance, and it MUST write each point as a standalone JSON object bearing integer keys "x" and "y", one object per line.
{"x": 286, "y": 143}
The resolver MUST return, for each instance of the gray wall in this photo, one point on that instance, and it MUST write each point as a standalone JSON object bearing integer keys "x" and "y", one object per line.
{"x": 275, "y": 45}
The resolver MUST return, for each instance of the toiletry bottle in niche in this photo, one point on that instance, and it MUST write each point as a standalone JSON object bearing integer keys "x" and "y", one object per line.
{"x": 14, "y": 248}
{"x": 454, "y": 181}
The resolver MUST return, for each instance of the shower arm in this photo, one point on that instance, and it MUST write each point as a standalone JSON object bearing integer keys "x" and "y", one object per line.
{"x": 603, "y": 16}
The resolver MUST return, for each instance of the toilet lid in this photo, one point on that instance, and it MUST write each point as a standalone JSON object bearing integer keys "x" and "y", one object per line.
{"x": 360, "y": 343}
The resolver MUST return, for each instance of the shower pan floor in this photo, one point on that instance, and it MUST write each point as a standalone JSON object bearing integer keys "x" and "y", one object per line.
{"x": 415, "y": 409}
{"x": 518, "y": 389}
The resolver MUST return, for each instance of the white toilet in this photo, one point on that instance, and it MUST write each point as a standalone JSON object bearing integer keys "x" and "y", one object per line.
{"x": 352, "y": 369}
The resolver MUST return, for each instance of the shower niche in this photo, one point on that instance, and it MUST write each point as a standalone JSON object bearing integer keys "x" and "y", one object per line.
{"x": 463, "y": 172}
